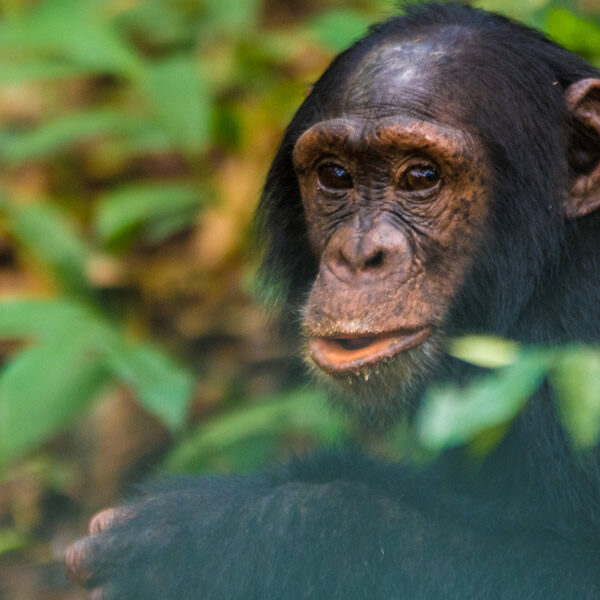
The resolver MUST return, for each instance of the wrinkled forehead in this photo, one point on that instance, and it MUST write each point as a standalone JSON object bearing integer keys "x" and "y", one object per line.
{"x": 406, "y": 76}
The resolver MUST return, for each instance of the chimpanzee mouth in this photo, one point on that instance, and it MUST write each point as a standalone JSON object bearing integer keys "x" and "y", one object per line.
{"x": 349, "y": 354}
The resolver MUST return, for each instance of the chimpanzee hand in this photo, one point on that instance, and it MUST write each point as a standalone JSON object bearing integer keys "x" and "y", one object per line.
{"x": 180, "y": 541}
{"x": 84, "y": 558}
{"x": 252, "y": 538}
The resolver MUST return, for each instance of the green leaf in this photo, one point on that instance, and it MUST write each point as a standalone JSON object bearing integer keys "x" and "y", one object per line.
{"x": 577, "y": 34}
{"x": 516, "y": 9}
{"x": 337, "y": 29}
{"x": 46, "y": 234}
{"x": 300, "y": 410}
{"x": 12, "y": 540}
{"x": 64, "y": 131}
{"x": 146, "y": 140}
{"x": 42, "y": 319}
{"x": 576, "y": 380}
{"x": 484, "y": 351}
{"x": 453, "y": 416}
{"x": 124, "y": 209}
{"x": 45, "y": 388}
{"x": 160, "y": 23}
{"x": 163, "y": 386}
{"x": 180, "y": 95}
{"x": 232, "y": 16}
{"x": 37, "y": 69}
{"x": 78, "y": 30}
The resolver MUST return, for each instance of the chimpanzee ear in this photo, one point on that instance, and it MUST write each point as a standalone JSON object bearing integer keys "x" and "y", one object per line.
{"x": 583, "y": 102}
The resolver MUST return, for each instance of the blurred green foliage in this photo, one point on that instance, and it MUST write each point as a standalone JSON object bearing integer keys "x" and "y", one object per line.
{"x": 107, "y": 85}
{"x": 93, "y": 90}
{"x": 76, "y": 352}
{"x": 454, "y": 416}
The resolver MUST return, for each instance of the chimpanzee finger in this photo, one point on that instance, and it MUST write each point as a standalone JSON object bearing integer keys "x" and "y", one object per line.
{"x": 89, "y": 561}
{"x": 75, "y": 564}
{"x": 103, "y": 520}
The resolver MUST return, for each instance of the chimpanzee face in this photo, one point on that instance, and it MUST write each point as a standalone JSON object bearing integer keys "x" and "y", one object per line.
{"x": 395, "y": 205}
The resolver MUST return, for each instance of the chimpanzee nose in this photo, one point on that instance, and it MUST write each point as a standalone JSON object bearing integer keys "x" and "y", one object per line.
{"x": 352, "y": 255}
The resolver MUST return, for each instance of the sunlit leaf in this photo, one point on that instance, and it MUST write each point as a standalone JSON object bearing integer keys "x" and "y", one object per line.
{"x": 123, "y": 209}
{"x": 45, "y": 388}
{"x": 484, "y": 351}
{"x": 576, "y": 379}
{"x": 452, "y": 416}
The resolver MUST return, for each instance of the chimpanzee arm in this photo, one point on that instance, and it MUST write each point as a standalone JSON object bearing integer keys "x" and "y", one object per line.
{"x": 288, "y": 534}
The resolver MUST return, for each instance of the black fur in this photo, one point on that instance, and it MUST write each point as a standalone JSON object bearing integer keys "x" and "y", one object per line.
{"x": 526, "y": 524}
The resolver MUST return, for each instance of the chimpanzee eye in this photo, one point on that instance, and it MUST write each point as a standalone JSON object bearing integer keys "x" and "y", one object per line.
{"x": 420, "y": 177}
{"x": 334, "y": 177}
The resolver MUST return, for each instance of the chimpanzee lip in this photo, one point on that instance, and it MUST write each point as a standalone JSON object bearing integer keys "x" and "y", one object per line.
{"x": 342, "y": 354}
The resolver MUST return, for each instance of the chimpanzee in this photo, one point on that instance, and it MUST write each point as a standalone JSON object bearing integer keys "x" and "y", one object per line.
{"x": 442, "y": 177}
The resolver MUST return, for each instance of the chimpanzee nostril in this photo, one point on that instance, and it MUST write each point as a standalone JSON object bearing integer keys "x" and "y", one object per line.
{"x": 375, "y": 261}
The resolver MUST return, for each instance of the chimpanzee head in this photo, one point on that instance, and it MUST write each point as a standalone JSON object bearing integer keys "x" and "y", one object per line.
{"x": 424, "y": 189}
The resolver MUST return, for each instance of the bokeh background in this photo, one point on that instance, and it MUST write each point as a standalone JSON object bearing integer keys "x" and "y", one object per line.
{"x": 134, "y": 139}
